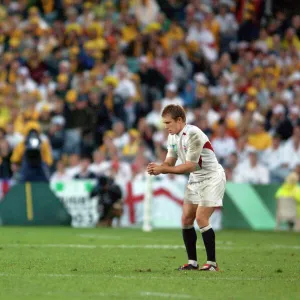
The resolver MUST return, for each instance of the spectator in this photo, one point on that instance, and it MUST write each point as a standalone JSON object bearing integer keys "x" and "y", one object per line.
{"x": 228, "y": 27}
{"x": 126, "y": 87}
{"x": 272, "y": 158}
{"x": 203, "y": 37}
{"x": 99, "y": 165}
{"x": 231, "y": 167}
{"x": 33, "y": 155}
{"x": 280, "y": 123}
{"x": 119, "y": 170}
{"x": 108, "y": 148}
{"x": 60, "y": 174}
{"x": 132, "y": 147}
{"x": 258, "y": 137}
{"x": 109, "y": 200}
{"x": 202, "y": 123}
{"x": 56, "y": 135}
{"x": 146, "y": 11}
{"x": 252, "y": 172}
{"x": 13, "y": 137}
{"x": 45, "y": 118}
{"x": 84, "y": 172}
{"x": 154, "y": 116}
{"x": 171, "y": 96}
{"x": 46, "y": 87}
{"x": 73, "y": 165}
{"x": 162, "y": 62}
{"x": 121, "y": 137}
{"x": 242, "y": 149}
{"x": 288, "y": 203}
{"x": 249, "y": 29}
{"x": 152, "y": 82}
{"x": 113, "y": 101}
{"x": 5, "y": 165}
{"x": 291, "y": 150}
{"x": 24, "y": 83}
{"x": 223, "y": 145}
{"x": 294, "y": 115}
{"x": 146, "y": 133}
{"x": 181, "y": 67}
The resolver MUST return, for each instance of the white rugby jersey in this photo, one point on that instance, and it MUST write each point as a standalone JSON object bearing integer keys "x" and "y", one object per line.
{"x": 192, "y": 144}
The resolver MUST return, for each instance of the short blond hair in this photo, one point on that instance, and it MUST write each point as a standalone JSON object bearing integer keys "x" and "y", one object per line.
{"x": 175, "y": 111}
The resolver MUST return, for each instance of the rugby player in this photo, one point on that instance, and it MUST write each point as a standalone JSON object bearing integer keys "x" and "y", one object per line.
{"x": 206, "y": 185}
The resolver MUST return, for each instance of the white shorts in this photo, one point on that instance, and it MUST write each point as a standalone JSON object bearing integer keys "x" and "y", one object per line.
{"x": 208, "y": 192}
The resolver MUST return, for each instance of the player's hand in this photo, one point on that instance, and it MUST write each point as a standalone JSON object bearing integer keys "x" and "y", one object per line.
{"x": 154, "y": 169}
{"x": 149, "y": 169}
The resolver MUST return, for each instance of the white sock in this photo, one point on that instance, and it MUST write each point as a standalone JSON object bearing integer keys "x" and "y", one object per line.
{"x": 213, "y": 263}
{"x": 203, "y": 229}
{"x": 193, "y": 263}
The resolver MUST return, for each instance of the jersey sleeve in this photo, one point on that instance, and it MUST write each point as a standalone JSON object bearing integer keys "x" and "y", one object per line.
{"x": 194, "y": 147}
{"x": 172, "y": 148}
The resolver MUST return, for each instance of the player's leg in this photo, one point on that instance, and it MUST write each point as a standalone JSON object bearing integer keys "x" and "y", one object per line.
{"x": 189, "y": 235}
{"x": 212, "y": 192}
{"x": 203, "y": 215}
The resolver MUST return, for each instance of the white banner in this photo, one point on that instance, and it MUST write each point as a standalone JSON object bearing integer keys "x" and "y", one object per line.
{"x": 75, "y": 196}
{"x": 164, "y": 209}
{"x": 166, "y": 201}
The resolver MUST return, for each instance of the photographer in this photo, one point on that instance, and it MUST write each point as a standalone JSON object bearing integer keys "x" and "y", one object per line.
{"x": 33, "y": 155}
{"x": 110, "y": 200}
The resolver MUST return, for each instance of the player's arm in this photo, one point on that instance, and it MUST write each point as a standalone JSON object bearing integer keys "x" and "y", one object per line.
{"x": 167, "y": 167}
{"x": 169, "y": 162}
{"x": 194, "y": 148}
{"x": 187, "y": 167}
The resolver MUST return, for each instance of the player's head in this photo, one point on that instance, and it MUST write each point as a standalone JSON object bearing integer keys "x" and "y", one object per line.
{"x": 174, "y": 118}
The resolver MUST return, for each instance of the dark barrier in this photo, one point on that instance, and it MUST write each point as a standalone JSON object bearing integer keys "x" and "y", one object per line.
{"x": 32, "y": 204}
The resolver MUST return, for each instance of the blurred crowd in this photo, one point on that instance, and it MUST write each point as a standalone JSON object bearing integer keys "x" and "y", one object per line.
{"x": 93, "y": 76}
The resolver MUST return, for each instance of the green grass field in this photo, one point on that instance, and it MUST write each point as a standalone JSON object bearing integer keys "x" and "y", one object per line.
{"x": 66, "y": 263}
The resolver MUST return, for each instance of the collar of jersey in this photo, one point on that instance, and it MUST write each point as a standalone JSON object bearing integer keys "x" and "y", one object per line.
{"x": 182, "y": 131}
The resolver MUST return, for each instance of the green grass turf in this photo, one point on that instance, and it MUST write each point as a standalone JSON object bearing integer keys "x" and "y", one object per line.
{"x": 97, "y": 265}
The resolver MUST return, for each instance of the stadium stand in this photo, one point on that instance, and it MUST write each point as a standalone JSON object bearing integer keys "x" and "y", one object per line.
{"x": 96, "y": 74}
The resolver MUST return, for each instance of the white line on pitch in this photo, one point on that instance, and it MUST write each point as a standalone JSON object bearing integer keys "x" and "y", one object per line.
{"x": 117, "y": 237}
{"x": 34, "y": 274}
{"x": 100, "y": 236}
{"x": 71, "y": 295}
{"x": 166, "y": 295}
{"x": 82, "y": 246}
{"x": 51, "y": 246}
{"x": 147, "y": 246}
{"x": 234, "y": 278}
{"x": 277, "y": 246}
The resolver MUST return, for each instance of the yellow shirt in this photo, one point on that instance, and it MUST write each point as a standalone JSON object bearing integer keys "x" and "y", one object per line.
{"x": 131, "y": 149}
{"x": 260, "y": 141}
{"x": 295, "y": 43}
{"x": 129, "y": 33}
{"x": 174, "y": 34}
{"x": 292, "y": 191}
{"x": 5, "y": 115}
{"x": 46, "y": 153}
